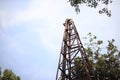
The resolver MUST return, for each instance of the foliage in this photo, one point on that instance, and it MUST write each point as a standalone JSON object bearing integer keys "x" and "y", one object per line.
{"x": 8, "y": 75}
{"x": 105, "y": 61}
{"x": 0, "y": 74}
{"x": 92, "y": 4}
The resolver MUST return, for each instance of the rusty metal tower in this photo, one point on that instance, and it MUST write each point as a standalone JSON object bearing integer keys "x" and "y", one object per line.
{"x": 70, "y": 49}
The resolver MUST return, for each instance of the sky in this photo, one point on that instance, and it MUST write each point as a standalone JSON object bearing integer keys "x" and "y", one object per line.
{"x": 31, "y": 33}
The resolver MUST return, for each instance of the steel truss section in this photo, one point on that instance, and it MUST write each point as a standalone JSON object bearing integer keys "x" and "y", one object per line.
{"x": 70, "y": 49}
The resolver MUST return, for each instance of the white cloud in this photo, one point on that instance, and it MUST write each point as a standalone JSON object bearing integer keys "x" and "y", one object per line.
{"x": 50, "y": 36}
{"x": 3, "y": 16}
{"x": 46, "y": 10}
{"x": 36, "y": 10}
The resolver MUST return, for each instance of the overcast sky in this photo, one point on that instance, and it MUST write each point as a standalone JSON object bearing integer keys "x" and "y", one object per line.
{"x": 31, "y": 33}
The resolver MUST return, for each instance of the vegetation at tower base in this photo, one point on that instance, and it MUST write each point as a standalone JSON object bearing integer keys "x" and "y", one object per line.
{"x": 105, "y": 61}
{"x": 8, "y": 75}
{"x": 92, "y": 4}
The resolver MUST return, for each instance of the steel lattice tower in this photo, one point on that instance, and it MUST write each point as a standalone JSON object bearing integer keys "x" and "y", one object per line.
{"x": 70, "y": 49}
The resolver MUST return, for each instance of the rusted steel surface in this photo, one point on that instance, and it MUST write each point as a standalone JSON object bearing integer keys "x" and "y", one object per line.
{"x": 70, "y": 49}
